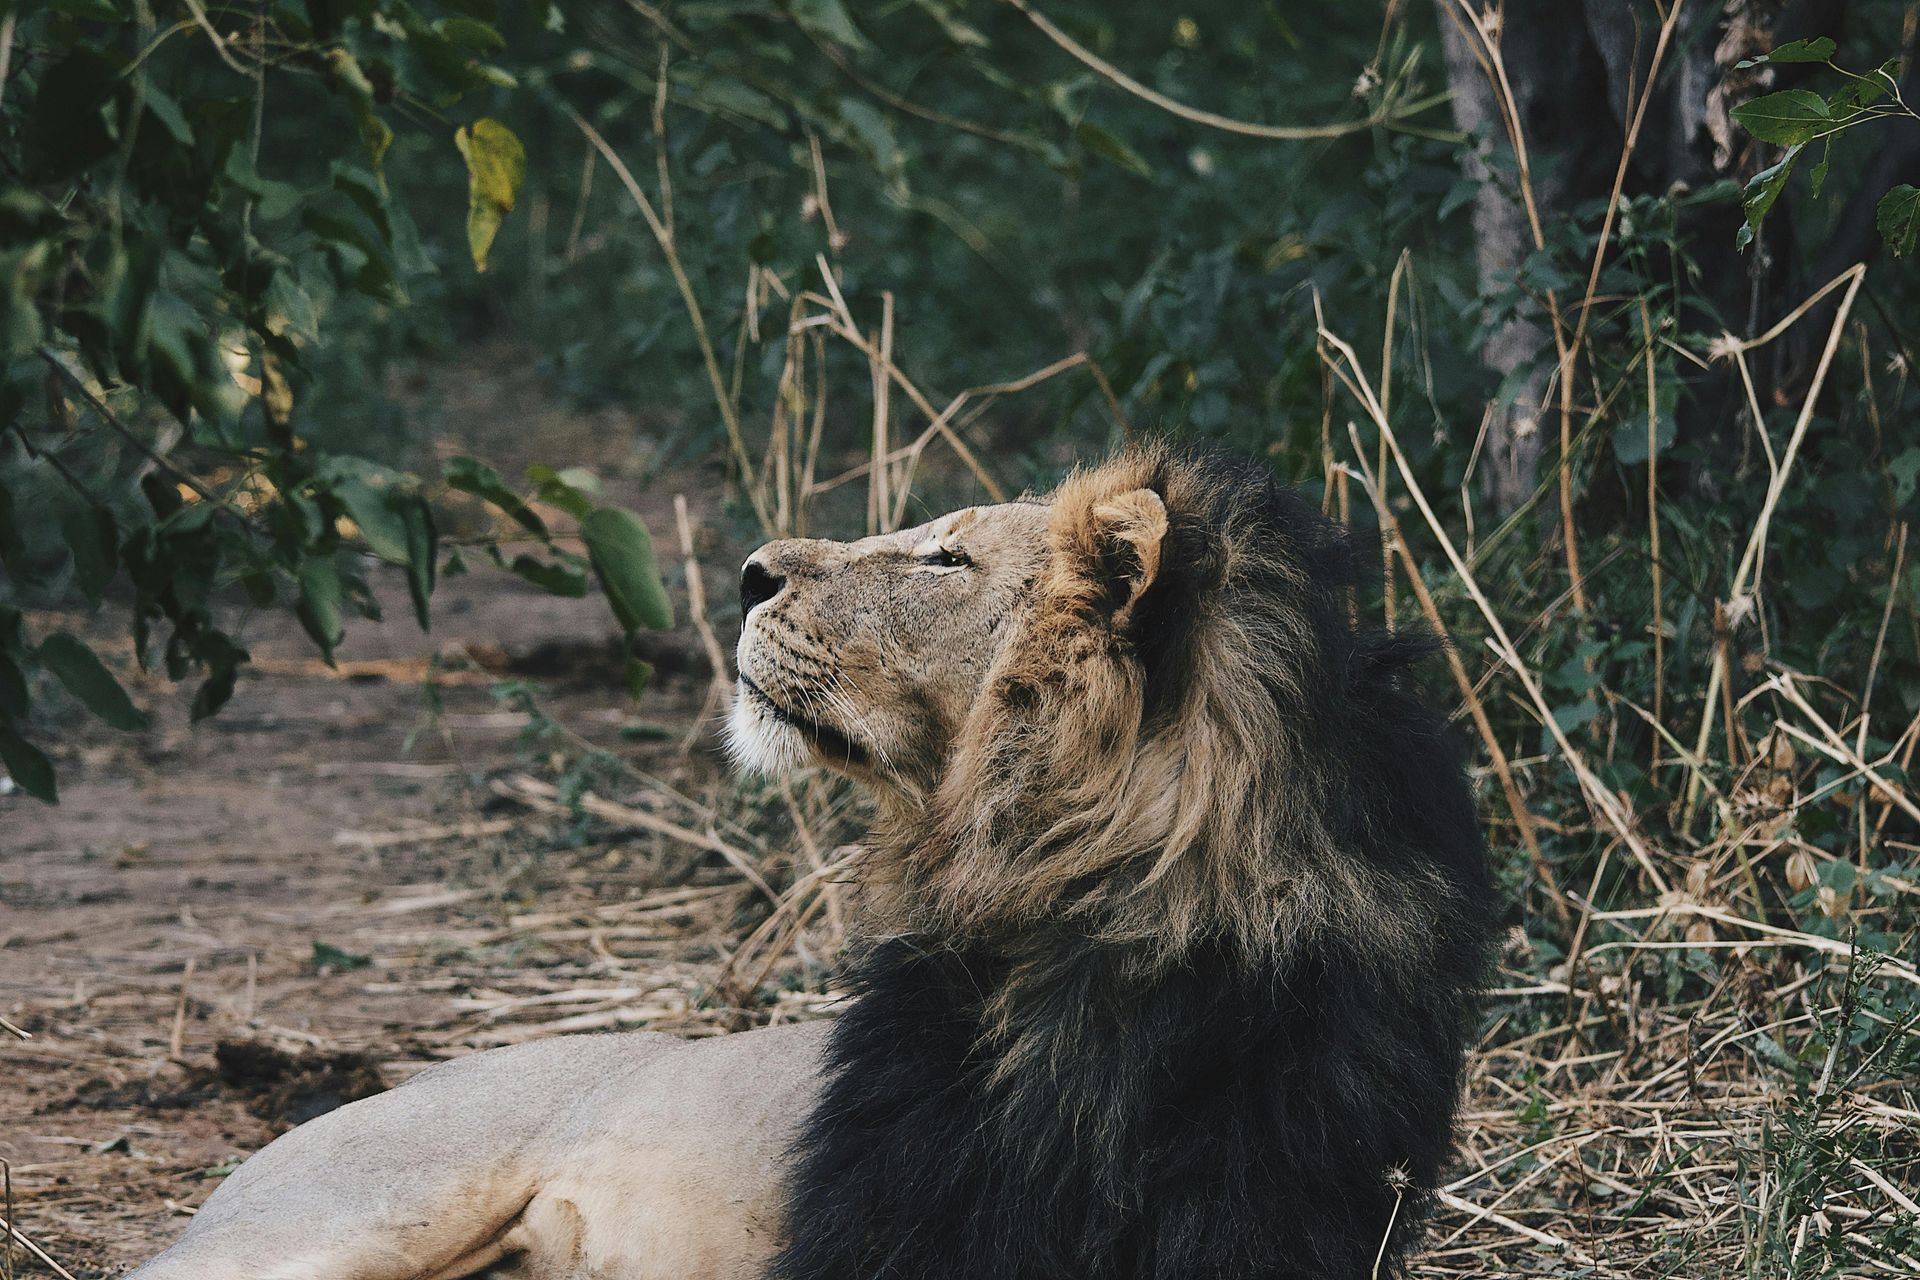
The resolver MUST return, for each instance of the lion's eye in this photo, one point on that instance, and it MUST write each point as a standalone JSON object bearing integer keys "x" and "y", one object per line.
{"x": 945, "y": 558}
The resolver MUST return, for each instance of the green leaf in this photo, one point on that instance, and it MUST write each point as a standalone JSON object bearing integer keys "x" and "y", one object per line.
{"x": 88, "y": 679}
{"x": 1817, "y": 49}
{"x": 1898, "y": 218}
{"x": 1761, "y": 191}
{"x": 958, "y": 31}
{"x": 1817, "y": 176}
{"x": 94, "y": 543}
{"x": 29, "y": 768}
{"x": 361, "y": 489}
{"x": 723, "y": 95}
{"x": 622, "y": 555}
{"x": 1109, "y": 148}
{"x": 496, "y": 166}
{"x": 91, "y": 10}
{"x": 168, "y": 113}
{"x": 560, "y": 579}
{"x": 13, "y": 690}
{"x": 470, "y": 475}
{"x": 1630, "y": 432}
{"x": 273, "y": 199}
{"x": 559, "y": 489}
{"x": 869, "y": 128}
{"x": 1864, "y": 91}
{"x": 470, "y": 33}
{"x": 387, "y": 215}
{"x": 336, "y": 959}
{"x": 222, "y": 658}
{"x": 1575, "y": 715}
{"x": 1788, "y": 118}
{"x": 215, "y": 691}
{"x": 11, "y": 548}
{"x": 423, "y": 554}
{"x": 639, "y": 672}
{"x": 66, "y": 128}
{"x": 319, "y": 608}
{"x": 829, "y": 20}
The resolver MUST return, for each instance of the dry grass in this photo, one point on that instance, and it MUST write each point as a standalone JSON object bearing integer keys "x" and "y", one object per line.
{"x": 1764, "y": 1127}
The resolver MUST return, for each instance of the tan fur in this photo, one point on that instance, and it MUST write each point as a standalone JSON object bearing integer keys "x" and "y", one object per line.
{"x": 978, "y": 673}
{"x": 878, "y": 643}
{"x": 606, "y": 1157}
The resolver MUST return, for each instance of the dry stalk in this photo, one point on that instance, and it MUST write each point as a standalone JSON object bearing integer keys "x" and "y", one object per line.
{"x": 535, "y": 794}
{"x": 176, "y": 1039}
{"x": 1873, "y": 665}
{"x": 14, "y": 1233}
{"x": 1386, "y": 411}
{"x": 1570, "y": 349}
{"x": 1751, "y": 567}
{"x": 663, "y": 236}
{"x": 720, "y": 691}
{"x": 1516, "y": 804}
{"x": 1795, "y": 937}
{"x": 839, "y": 318}
{"x": 879, "y": 491}
{"x": 1602, "y": 801}
{"x": 1653, "y": 534}
{"x": 799, "y": 902}
{"x": 836, "y": 239}
{"x": 1832, "y": 745}
{"x": 1476, "y": 1213}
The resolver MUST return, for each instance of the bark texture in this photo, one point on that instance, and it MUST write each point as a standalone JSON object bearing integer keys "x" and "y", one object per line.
{"x": 1576, "y": 69}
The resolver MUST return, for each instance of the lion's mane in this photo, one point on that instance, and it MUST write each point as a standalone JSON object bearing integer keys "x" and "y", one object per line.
{"x": 1178, "y": 967}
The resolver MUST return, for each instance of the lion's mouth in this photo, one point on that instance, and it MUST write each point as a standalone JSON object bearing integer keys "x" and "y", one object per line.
{"x": 830, "y": 742}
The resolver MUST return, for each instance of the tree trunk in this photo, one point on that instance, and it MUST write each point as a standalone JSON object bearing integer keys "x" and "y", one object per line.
{"x": 1553, "y": 73}
{"x": 1576, "y": 71}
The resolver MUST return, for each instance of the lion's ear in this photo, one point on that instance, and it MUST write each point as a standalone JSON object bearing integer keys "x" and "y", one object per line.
{"x": 1128, "y": 532}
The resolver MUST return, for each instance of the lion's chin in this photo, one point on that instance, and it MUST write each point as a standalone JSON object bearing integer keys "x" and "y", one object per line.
{"x": 760, "y": 739}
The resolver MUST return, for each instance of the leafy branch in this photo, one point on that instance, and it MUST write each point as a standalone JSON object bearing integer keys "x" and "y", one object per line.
{"x": 1797, "y": 118}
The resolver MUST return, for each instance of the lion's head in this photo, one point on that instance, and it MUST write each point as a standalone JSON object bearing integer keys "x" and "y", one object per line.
{"x": 1136, "y": 707}
{"x": 869, "y": 656}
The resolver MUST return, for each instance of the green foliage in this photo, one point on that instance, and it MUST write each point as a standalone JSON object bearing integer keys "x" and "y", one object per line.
{"x": 622, "y": 556}
{"x": 1898, "y": 218}
{"x": 1796, "y": 118}
{"x": 188, "y": 219}
{"x": 88, "y": 679}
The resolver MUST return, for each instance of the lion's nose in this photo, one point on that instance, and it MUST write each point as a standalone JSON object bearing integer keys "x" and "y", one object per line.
{"x": 758, "y": 584}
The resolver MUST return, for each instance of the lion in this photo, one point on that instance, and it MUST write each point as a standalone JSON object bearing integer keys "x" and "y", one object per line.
{"x": 1172, "y": 920}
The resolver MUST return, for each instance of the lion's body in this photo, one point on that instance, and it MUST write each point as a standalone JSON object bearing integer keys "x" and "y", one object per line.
{"x": 1171, "y": 925}
{"x": 607, "y": 1157}
{"x": 1184, "y": 944}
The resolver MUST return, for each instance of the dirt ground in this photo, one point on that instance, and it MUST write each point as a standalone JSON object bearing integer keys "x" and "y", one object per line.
{"x": 227, "y": 928}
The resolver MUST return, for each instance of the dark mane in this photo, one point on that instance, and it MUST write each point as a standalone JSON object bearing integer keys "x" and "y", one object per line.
{"x": 1039, "y": 1082}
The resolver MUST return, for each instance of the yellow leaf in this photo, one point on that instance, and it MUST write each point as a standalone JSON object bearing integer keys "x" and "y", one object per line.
{"x": 353, "y": 81}
{"x": 496, "y": 165}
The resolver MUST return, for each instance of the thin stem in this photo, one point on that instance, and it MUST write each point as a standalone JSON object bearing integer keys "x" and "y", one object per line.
{"x": 663, "y": 236}
{"x": 1278, "y": 132}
